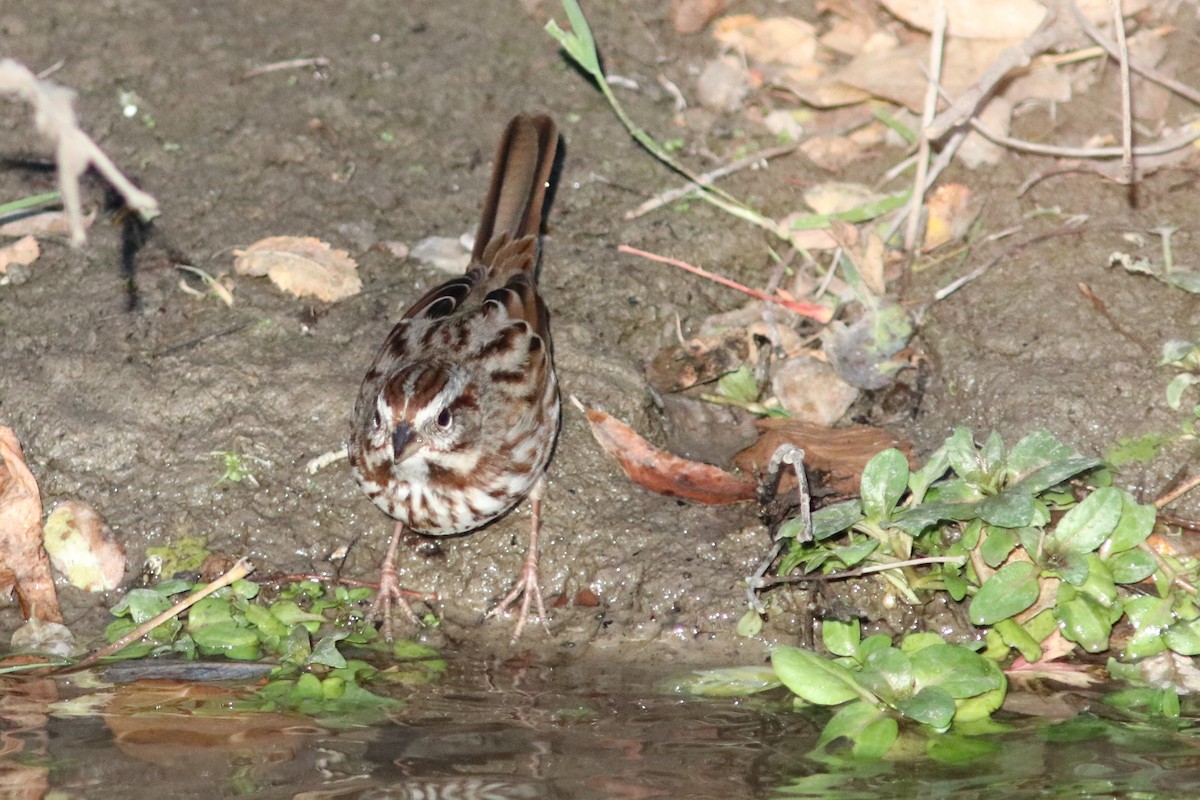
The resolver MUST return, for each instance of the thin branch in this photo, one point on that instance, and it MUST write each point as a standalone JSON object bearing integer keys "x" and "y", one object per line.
{"x": 1126, "y": 101}
{"x": 1181, "y": 89}
{"x": 239, "y": 570}
{"x": 936, "y": 47}
{"x": 811, "y": 310}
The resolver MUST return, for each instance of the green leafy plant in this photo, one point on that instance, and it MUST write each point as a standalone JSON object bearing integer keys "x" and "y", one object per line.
{"x": 1033, "y": 540}
{"x": 300, "y": 631}
{"x": 925, "y": 680}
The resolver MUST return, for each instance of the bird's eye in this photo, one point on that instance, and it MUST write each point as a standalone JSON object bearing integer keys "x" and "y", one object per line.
{"x": 444, "y": 419}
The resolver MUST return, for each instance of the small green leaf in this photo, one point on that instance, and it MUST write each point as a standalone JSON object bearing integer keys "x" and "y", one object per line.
{"x": 961, "y": 453}
{"x": 834, "y": 519}
{"x": 289, "y": 613}
{"x": 209, "y": 611}
{"x": 1083, "y": 620}
{"x": 141, "y": 605}
{"x": 853, "y": 554}
{"x": 883, "y": 483}
{"x": 1132, "y": 566}
{"x": 1036, "y": 451}
{"x": 873, "y": 643}
{"x": 1150, "y": 618}
{"x": 750, "y": 624}
{"x": 1073, "y": 568}
{"x": 814, "y": 679}
{"x": 1087, "y": 525}
{"x": 1184, "y": 637}
{"x": 325, "y": 652}
{"x": 1011, "y": 508}
{"x": 869, "y": 730}
{"x": 1014, "y": 634}
{"x": 931, "y": 706}
{"x": 1053, "y": 474}
{"x": 1177, "y": 387}
{"x": 960, "y": 672}
{"x": 920, "y": 481}
{"x": 992, "y": 454}
{"x": 841, "y": 638}
{"x": 1134, "y": 526}
{"x": 914, "y": 642}
{"x": 227, "y": 639}
{"x": 739, "y": 385}
{"x": 997, "y": 544}
{"x": 1012, "y": 589}
{"x": 916, "y": 519}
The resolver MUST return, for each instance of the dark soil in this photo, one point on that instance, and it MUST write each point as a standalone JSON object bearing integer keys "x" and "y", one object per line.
{"x": 122, "y": 390}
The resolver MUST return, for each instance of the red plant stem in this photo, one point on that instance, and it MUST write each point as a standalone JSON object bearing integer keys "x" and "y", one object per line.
{"x": 811, "y": 310}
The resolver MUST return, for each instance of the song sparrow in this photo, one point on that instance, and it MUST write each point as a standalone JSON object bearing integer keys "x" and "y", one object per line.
{"x": 457, "y": 416}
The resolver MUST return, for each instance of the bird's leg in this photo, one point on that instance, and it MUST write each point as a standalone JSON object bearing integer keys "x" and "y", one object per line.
{"x": 528, "y": 588}
{"x": 389, "y": 590}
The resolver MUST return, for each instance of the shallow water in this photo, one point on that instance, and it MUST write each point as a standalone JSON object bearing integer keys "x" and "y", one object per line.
{"x": 505, "y": 730}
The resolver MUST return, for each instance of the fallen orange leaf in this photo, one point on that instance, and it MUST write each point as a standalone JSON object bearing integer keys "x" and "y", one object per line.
{"x": 664, "y": 473}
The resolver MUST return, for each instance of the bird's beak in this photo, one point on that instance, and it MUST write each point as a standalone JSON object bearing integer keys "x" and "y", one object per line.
{"x": 404, "y": 442}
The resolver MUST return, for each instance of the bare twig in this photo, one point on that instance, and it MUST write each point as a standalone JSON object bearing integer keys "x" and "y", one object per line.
{"x": 1177, "y": 492}
{"x": 811, "y": 310}
{"x": 1053, "y": 29}
{"x": 936, "y": 46}
{"x": 1181, "y": 89}
{"x": 860, "y": 571}
{"x": 294, "y": 63}
{"x": 239, "y": 570}
{"x": 1126, "y": 102}
{"x": 1171, "y": 143}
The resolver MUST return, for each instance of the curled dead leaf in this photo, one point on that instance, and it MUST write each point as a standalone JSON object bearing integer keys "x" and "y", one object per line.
{"x": 22, "y": 252}
{"x": 302, "y": 265}
{"x": 662, "y": 472}
{"x": 83, "y": 548}
{"x": 21, "y": 550}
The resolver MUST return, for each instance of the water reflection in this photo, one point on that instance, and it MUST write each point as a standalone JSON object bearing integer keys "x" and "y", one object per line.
{"x": 502, "y": 731}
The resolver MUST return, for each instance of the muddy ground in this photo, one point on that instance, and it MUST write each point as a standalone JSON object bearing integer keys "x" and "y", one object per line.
{"x": 391, "y": 141}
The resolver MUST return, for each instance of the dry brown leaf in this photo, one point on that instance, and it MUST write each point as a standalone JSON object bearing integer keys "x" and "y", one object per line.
{"x": 22, "y": 252}
{"x": 840, "y": 454}
{"x": 302, "y": 265}
{"x": 836, "y": 197}
{"x": 690, "y": 16}
{"x": 952, "y": 209}
{"x": 47, "y": 223}
{"x": 662, "y": 472}
{"x": 900, "y": 75}
{"x": 83, "y": 548}
{"x": 780, "y": 41}
{"x": 971, "y": 19}
{"x": 811, "y": 390}
{"x": 977, "y": 150}
{"x": 21, "y": 549}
